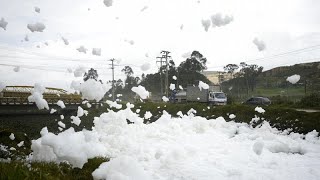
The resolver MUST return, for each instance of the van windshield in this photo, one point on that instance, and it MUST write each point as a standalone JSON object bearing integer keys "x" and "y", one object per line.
{"x": 219, "y": 95}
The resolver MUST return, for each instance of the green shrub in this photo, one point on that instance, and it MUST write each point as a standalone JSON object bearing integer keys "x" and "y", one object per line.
{"x": 281, "y": 100}
{"x": 311, "y": 101}
{"x": 40, "y": 170}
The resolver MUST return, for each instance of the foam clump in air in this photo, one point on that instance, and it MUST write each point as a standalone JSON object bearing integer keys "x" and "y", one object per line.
{"x": 37, "y": 9}
{"x": 65, "y": 41}
{"x": 3, "y": 24}
{"x": 147, "y": 115}
{"x": 82, "y": 49}
{"x": 12, "y": 136}
{"x": 179, "y": 113}
{"x": 260, "y": 110}
{"x": 141, "y": 91}
{"x": 61, "y": 104}
{"x": 44, "y": 131}
{"x": 174, "y": 77}
{"x": 231, "y": 116}
{"x": 165, "y": 99}
{"x": 93, "y": 90}
{"x": 114, "y": 104}
{"x": 144, "y": 8}
{"x": 218, "y": 20}
{"x": 206, "y": 24}
{"x": 259, "y": 43}
{"x": 52, "y": 111}
{"x": 37, "y": 97}
{"x": 37, "y": 27}
{"x": 145, "y": 67}
{"x": 96, "y": 51}
{"x": 203, "y": 85}
{"x": 108, "y": 3}
{"x": 187, "y": 54}
{"x": 172, "y": 87}
{"x": 79, "y": 71}
{"x": 75, "y": 120}
{"x": 75, "y": 85}
{"x": 293, "y": 79}
{"x": 80, "y": 111}
{"x": 20, "y": 144}
{"x": 16, "y": 69}
{"x": 61, "y": 124}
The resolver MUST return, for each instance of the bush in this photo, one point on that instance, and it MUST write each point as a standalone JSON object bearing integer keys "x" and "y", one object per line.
{"x": 42, "y": 170}
{"x": 230, "y": 100}
{"x": 311, "y": 101}
{"x": 281, "y": 100}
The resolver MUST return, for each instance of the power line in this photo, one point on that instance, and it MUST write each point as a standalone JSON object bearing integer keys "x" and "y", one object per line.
{"x": 34, "y": 67}
{"x": 44, "y": 55}
{"x": 307, "y": 49}
{"x": 42, "y": 68}
{"x": 286, "y": 53}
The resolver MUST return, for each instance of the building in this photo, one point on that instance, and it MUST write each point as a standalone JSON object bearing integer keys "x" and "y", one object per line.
{"x": 217, "y": 77}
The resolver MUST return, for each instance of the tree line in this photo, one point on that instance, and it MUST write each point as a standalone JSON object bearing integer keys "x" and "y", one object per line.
{"x": 188, "y": 72}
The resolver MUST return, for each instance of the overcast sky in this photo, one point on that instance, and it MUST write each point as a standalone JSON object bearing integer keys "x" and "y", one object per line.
{"x": 135, "y": 31}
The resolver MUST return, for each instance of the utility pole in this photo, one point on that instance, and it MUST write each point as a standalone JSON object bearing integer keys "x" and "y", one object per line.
{"x": 305, "y": 87}
{"x": 165, "y": 55}
{"x": 112, "y": 67}
{"x": 161, "y": 61}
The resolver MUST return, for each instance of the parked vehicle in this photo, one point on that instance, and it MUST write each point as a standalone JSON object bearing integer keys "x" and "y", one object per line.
{"x": 258, "y": 101}
{"x": 194, "y": 94}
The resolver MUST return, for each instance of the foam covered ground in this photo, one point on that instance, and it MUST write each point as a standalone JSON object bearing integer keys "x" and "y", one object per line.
{"x": 188, "y": 147}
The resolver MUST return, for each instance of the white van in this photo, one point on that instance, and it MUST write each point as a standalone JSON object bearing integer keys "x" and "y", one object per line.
{"x": 217, "y": 98}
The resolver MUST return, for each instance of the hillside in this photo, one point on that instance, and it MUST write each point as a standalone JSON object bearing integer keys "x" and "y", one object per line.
{"x": 273, "y": 82}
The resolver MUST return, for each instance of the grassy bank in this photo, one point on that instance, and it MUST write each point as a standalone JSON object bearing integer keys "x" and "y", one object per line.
{"x": 278, "y": 116}
{"x": 38, "y": 170}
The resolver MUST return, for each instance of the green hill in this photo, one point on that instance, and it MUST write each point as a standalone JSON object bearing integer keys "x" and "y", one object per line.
{"x": 272, "y": 83}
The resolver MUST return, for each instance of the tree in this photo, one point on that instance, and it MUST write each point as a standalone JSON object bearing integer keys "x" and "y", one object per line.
{"x": 130, "y": 80}
{"x": 188, "y": 73}
{"x": 127, "y": 71}
{"x": 195, "y": 63}
{"x": 190, "y": 69}
{"x": 230, "y": 68}
{"x": 92, "y": 74}
{"x": 250, "y": 73}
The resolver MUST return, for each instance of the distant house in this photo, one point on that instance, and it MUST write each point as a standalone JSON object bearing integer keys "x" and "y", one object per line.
{"x": 217, "y": 77}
